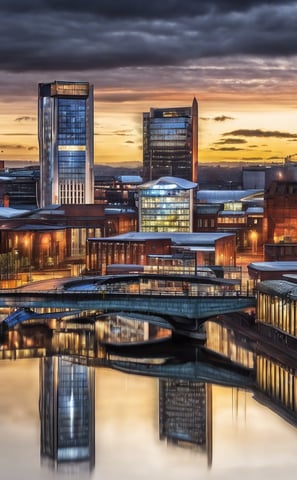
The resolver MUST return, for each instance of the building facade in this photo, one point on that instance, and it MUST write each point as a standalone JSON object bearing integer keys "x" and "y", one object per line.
{"x": 116, "y": 190}
{"x": 190, "y": 250}
{"x": 18, "y": 187}
{"x": 237, "y": 211}
{"x": 65, "y": 129}
{"x": 277, "y": 311}
{"x": 279, "y": 225}
{"x": 54, "y": 238}
{"x": 166, "y": 205}
{"x": 170, "y": 143}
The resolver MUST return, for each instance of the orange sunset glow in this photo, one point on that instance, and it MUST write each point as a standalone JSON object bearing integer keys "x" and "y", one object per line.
{"x": 226, "y": 123}
{"x": 241, "y": 68}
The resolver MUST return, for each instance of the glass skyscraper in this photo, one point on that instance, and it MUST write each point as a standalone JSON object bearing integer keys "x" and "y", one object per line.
{"x": 65, "y": 129}
{"x": 170, "y": 143}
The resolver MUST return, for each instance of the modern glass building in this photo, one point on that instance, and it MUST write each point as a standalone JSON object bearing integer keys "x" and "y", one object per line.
{"x": 166, "y": 205}
{"x": 170, "y": 143}
{"x": 65, "y": 129}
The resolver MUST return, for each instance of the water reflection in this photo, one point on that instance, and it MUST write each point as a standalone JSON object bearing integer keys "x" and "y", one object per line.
{"x": 186, "y": 373}
{"x": 275, "y": 370}
{"x": 185, "y": 414}
{"x": 67, "y": 414}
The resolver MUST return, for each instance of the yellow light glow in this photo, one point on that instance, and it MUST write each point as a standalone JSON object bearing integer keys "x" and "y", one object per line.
{"x": 72, "y": 148}
{"x": 118, "y": 126}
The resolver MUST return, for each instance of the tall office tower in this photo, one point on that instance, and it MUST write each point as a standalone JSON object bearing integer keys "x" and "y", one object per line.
{"x": 170, "y": 143}
{"x": 66, "y": 131}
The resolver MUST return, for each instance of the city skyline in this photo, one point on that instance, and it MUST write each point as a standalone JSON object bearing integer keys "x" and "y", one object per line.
{"x": 237, "y": 59}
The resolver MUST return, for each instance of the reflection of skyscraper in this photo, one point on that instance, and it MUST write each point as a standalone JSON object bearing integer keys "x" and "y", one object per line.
{"x": 65, "y": 119}
{"x": 67, "y": 412}
{"x": 185, "y": 413}
{"x": 170, "y": 143}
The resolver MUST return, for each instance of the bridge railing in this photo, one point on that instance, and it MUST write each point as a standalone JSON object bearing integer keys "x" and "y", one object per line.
{"x": 140, "y": 292}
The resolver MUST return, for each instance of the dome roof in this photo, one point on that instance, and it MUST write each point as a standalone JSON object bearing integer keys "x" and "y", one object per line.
{"x": 169, "y": 183}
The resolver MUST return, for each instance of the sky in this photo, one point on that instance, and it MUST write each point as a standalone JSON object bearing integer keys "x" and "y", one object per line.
{"x": 238, "y": 58}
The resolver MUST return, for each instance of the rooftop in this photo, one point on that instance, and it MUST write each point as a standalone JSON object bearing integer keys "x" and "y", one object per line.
{"x": 200, "y": 238}
{"x": 222, "y": 196}
{"x": 169, "y": 183}
{"x": 130, "y": 179}
{"x": 7, "y": 212}
{"x": 280, "y": 288}
{"x": 274, "y": 266}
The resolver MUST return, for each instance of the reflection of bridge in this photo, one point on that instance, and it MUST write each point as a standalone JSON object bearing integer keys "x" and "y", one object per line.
{"x": 164, "y": 358}
{"x": 190, "y": 371}
{"x": 185, "y": 301}
{"x": 178, "y": 361}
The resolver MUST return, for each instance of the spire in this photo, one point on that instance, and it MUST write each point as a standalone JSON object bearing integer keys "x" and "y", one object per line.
{"x": 195, "y": 140}
{"x": 195, "y": 107}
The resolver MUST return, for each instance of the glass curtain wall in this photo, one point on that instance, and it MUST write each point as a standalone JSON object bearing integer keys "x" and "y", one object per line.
{"x": 163, "y": 211}
{"x": 167, "y": 143}
{"x": 71, "y": 150}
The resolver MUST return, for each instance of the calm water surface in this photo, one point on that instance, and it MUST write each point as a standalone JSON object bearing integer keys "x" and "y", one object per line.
{"x": 239, "y": 438}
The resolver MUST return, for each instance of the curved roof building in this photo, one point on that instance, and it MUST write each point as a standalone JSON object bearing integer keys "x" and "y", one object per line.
{"x": 169, "y": 183}
{"x": 166, "y": 205}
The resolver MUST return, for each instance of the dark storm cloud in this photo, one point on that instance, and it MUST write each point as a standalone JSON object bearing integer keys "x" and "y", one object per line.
{"x": 222, "y": 118}
{"x": 17, "y": 134}
{"x": 119, "y": 133}
{"x": 227, "y": 149}
{"x": 135, "y": 8}
{"x": 25, "y": 118}
{"x": 123, "y": 133}
{"x": 231, "y": 141}
{"x": 261, "y": 133}
{"x": 7, "y": 146}
{"x": 62, "y": 35}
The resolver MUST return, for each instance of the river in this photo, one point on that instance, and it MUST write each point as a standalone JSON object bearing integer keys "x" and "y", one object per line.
{"x": 66, "y": 416}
